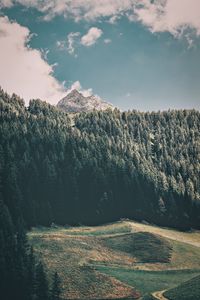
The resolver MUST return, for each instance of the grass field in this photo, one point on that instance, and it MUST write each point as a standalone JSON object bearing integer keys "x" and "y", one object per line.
{"x": 143, "y": 246}
{"x": 149, "y": 281}
{"x": 192, "y": 238}
{"x": 189, "y": 290}
{"x": 121, "y": 260}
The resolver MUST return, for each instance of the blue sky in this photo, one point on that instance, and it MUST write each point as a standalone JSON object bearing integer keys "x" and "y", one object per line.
{"x": 122, "y": 54}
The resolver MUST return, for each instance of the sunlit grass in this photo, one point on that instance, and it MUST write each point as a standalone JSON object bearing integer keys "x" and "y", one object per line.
{"x": 149, "y": 281}
{"x": 108, "y": 262}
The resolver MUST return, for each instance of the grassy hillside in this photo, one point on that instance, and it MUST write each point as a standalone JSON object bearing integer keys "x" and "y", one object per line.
{"x": 115, "y": 261}
{"x": 70, "y": 255}
{"x": 192, "y": 238}
{"x": 144, "y": 246}
{"x": 189, "y": 290}
{"x": 149, "y": 281}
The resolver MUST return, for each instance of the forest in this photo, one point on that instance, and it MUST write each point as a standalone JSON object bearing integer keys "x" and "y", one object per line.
{"x": 97, "y": 167}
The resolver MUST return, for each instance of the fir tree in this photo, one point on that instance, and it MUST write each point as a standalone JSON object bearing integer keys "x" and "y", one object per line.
{"x": 56, "y": 287}
{"x": 41, "y": 283}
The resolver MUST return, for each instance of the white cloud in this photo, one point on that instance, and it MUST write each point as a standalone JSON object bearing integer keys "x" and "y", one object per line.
{"x": 114, "y": 19}
{"x": 78, "y": 9}
{"x": 189, "y": 40}
{"x": 158, "y": 15}
{"x": 60, "y": 45}
{"x": 91, "y": 37}
{"x": 23, "y": 70}
{"x": 77, "y": 86}
{"x": 169, "y": 15}
{"x": 71, "y": 41}
{"x": 6, "y": 3}
{"x": 45, "y": 53}
{"x": 74, "y": 40}
{"x": 107, "y": 41}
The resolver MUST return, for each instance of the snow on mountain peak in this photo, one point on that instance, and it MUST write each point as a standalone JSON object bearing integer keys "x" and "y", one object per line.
{"x": 76, "y": 102}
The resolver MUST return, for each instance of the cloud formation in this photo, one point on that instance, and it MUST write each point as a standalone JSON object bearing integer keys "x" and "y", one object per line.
{"x": 60, "y": 45}
{"x": 173, "y": 16}
{"x": 77, "y": 9}
{"x": 74, "y": 40}
{"x": 91, "y": 37}
{"x": 24, "y": 71}
{"x": 107, "y": 41}
{"x": 158, "y": 15}
{"x": 71, "y": 41}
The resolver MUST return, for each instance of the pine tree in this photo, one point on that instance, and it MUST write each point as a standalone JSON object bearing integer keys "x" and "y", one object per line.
{"x": 31, "y": 273}
{"x": 56, "y": 287}
{"x": 71, "y": 166}
{"x": 41, "y": 283}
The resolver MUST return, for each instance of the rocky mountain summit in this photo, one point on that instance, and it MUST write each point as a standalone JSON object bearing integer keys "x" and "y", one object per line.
{"x": 75, "y": 102}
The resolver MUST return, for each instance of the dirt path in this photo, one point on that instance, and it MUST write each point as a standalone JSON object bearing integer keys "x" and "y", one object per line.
{"x": 159, "y": 295}
{"x": 192, "y": 238}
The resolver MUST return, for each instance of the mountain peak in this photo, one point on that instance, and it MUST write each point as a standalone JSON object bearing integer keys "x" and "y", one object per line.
{"x": 74, "y": 92}
{"x": 75, "y": 101}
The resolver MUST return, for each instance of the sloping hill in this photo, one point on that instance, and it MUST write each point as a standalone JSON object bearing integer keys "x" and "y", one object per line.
{"x": 144, "y": 246}
{"x": 114, "y": 261}
{"x": 189, "y": 290}
{"x": 192, "y": 238}
{"x": 71, "y": 256}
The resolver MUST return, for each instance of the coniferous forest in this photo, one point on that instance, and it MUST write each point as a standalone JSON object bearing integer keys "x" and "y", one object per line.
{"x": 98, "y": 167}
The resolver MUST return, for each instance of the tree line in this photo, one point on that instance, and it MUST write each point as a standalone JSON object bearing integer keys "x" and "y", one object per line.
{"x": 22, "y": 275}
{"x": 98, "y": 167}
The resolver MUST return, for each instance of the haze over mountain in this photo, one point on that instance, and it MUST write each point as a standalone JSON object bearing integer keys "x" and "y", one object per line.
{"x": 77, "y": 102}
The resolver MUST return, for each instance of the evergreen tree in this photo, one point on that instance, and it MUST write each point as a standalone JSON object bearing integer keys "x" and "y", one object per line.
{"x": 53, "y": 169}
{"x": 41, "y": 283}
{"x": 56, "y": 287}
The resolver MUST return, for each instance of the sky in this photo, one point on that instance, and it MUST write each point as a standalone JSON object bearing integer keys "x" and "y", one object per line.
{"x": 136, "y": 54}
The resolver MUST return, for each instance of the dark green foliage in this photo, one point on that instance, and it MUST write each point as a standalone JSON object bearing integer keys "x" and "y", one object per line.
{"x": 144, "y": 246}
{"x": 189, "y": 290}
{"x": 17, "y": 261}
{"x": 103, "y": 167}
{"x": 56, "y": 287}
{"x": 18, "y": 275}
{"x": 148, "y": 247}
{"x": 41, "y": 283}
